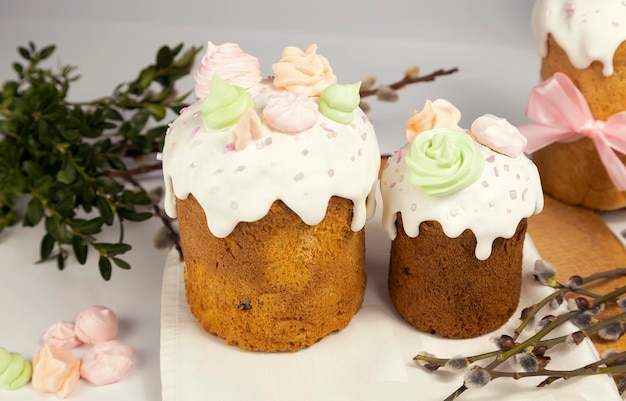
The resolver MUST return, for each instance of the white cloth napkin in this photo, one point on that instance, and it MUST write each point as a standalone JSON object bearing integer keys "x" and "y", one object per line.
{"x": 372, "y": 359}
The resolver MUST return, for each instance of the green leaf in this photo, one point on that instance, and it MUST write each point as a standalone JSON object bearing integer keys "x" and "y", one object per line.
{"x": 18, "y": 68}
{"x": 165, "y": 56}
{"x": 89, "y": 227}
{"x": 140, "y": 119}
{"x": 105, "y": 210}
{"x": 67, "y": 175}
{"x": 116, "y": 163}
{"x": 112, "y": 249}
{"x": 34, "y": 212}
{"x": 80, "y": 249}
{"x": 24, "y": 52}
{"x": 47, "y": 244}
{"x": 32, "y": 169}
{"x": 104, "y": 265}
{"x": 46, "y": 52}
{"x": 57, "y": 230}
{"x": 146, "y": 77}
{"x": 157, "y": 111}
{"x": 61, "y": 261}
{"x": 122, "y": 264}
{"x": 136, "y": 216}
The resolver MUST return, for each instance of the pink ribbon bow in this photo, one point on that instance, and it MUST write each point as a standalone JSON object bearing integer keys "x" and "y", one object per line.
{"x": 561, "y": 114}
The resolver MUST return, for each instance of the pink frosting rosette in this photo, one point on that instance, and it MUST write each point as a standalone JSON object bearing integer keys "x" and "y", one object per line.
{"x": 303, "y": 71}
{"x": 290, "y": 112}
{"x": 498, "y": 134}
{"x": 96, "y": 324}
{"x": 107, "y": 362}
{"x": 231, "y": 64}
{"x": 437, "y": 114}
{"x": 61, "y": 335}
{"x": 55, "y": 371}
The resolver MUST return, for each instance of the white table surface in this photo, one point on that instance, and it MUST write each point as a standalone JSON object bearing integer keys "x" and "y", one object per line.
{"x": 489, "y": 40}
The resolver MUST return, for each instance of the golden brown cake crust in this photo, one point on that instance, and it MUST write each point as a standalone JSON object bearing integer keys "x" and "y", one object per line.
{"x": 437, "y": 284}
{"x": 276, "y": 284}
{"x": 573, "y": 172}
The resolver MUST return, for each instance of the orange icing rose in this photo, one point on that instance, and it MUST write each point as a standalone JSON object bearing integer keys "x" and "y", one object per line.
{"x": 55, "y": 371}
{"x": 303, "y": 71}
{"x": 437, "y": 114}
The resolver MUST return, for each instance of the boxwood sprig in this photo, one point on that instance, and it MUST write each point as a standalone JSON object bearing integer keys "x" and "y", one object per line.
{"x": 72, "y": 164}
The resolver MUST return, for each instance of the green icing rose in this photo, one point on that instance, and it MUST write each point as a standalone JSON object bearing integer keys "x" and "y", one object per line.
{"x": 15, "y": 371}
{"x": 225, "y": 104}
{"x": 337, "y": 102}
{"x": 443, "y": 161}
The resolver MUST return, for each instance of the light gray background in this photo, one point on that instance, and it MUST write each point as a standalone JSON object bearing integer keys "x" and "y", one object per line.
{"x": 489, "y": 40}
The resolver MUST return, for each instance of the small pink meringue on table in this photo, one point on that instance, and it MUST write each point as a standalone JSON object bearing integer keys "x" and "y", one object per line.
{"x": 96, "y": 324}
{"x": 107, "y": 362}
{"x": 61, "y": 335}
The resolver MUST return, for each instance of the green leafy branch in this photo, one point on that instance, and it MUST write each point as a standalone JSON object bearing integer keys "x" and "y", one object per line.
{"x": 69, "y": 161}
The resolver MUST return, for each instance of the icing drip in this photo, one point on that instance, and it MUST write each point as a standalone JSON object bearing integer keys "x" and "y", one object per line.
{"x": 507, "y": 190}
{"x": 586, "y": 30}
{"x": 303, "y": 170}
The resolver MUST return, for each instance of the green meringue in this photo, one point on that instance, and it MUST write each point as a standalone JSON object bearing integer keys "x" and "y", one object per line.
{"x": 225, "y": 104}
{"x": 15, "y": 370}
{"x": 338, "y": 101}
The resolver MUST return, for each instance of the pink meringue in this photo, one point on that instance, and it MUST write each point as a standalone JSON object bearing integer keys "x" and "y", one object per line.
{"x": 96, "y": 324}
{"x": 106, "y": 362}
{"x": 290, "y": 112}
{"x": 61, "y": 335}
{"x": 498, "y": 134}
{"x": 55, "y": 371}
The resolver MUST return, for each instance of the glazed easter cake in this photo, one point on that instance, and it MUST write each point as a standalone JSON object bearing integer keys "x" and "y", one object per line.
{"x": 578, "y": 134}
{"x": 455, "y": 205}
{"x": 271, "y": 180}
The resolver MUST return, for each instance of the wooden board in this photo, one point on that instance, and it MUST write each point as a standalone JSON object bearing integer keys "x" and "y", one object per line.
{"x": 577, "y": 241}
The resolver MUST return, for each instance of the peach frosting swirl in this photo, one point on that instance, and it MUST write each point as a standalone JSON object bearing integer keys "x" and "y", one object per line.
{"x": 96, "y": 324}
{"x": 61, "y": 335}
{"x": 55, "y": 371}
{"x": 231, "y": 64}
{"x": 107, "y": 362}
{"x": 303, "y": 71}
{"x": 435, "y": 114}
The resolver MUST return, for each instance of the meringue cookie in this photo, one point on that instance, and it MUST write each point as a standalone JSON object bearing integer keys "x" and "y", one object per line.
{"x": 15, "y": 371}
{"x": 290, "y": 112}
{"x": 106, "y": 362}
{"x": 55, "y": 371}
{"x": 96, "y": 324}
{"x": 61, "y": 335}
{"x": 498, "y": 134}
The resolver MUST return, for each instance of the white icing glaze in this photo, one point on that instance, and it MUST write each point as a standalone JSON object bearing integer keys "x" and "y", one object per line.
{"x": 587, "y": 30}
{"x": 507, "y": 191}
{"x": 303, "y": 170}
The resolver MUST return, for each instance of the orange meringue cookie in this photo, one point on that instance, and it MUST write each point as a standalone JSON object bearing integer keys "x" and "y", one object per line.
{"x": 55, "y": 371}
{"x": 96, "y": 324}
{"x": 436, "y": 114}
{"x": 61, "y": 335}
{"x": 107, "y": 362}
